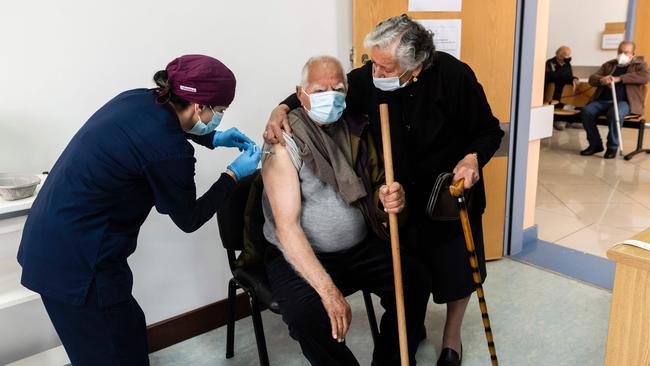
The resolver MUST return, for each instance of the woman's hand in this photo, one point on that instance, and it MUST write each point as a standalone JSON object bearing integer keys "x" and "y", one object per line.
{"x": 278, "y": 121}
{"x": 231, "y": 137}
{"x": 467, "y": 169}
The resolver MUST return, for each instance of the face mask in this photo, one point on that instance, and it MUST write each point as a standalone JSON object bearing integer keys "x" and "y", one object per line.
{"x": 567, "y": 59}
{"x": 201, "y": 128}
{"x": 623, "y": 59}
{"x": 326, "y": 107}
{"x": 388, "y": 84}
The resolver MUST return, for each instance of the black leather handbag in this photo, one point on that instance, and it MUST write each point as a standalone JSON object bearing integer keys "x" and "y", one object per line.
{"x": 442, "y": 206}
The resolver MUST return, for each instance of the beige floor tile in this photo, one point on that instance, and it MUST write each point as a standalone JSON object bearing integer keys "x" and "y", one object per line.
{"x": 588, "y": 193}
{"x": 544, "y": 196}
{"x": 570, "y": 174}
{"x": 552, "y": 227}
{"x": 620, "y": 215}
{"x": 595, "y": 239}
{"x": 556, "y": 208}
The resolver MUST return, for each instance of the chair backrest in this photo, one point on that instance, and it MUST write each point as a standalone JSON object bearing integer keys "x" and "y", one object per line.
{"x": 241, "y": 221}
{"x": 230, "y": 217}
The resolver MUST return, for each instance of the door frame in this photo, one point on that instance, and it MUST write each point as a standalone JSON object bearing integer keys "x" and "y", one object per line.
{"x": 522, "y": 79}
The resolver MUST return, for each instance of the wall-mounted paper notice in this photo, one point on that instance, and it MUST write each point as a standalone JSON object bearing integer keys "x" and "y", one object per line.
{"x": 612, "y": 40}
{"x": 446, "y": 34}
{"x": 434, "y": 5}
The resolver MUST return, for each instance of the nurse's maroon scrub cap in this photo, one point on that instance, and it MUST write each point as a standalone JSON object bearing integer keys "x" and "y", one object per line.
{"x": 202, "y": 79}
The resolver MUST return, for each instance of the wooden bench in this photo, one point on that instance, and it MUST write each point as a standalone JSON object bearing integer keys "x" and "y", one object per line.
{"x": 579, "y": 98}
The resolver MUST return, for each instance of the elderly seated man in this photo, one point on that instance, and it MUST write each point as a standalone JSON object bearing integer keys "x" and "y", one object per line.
{"x": 630, "y": 74}
{"x": 322, "y": 198}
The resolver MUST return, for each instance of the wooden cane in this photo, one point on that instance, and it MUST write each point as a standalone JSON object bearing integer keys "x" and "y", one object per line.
{"x": 394, "y": 237}
{"x": 456, "y": 191}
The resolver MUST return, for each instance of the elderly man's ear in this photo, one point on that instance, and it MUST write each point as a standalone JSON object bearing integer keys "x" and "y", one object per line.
{"x": 304, "y": 99}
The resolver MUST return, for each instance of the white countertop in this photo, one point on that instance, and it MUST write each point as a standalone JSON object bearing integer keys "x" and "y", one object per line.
{"x": 7, "y": 207}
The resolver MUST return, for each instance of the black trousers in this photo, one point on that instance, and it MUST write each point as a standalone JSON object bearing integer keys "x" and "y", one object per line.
{"x": 94, "y": 335}
{"x": 367, "y": 266}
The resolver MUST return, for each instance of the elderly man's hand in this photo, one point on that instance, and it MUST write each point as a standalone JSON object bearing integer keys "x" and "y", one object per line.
{"x": 393, "y": 198}
{"x": 338, "y": 310}
{"x": 467, "y": 169}
{"x": 605, "y": 80}
{"x": 278, "y": 121}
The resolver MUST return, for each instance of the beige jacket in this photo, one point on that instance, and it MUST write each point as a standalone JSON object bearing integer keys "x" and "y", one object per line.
{"x": 635, "y": 80}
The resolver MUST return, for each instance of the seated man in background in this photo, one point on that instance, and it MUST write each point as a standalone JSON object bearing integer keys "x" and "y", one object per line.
{"x": 321, "y": 205}
{"x": 630, "y": 73}
{"x": 559, "y": 73}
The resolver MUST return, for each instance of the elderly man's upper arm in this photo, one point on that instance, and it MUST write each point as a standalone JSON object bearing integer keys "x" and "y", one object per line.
{"x": 282, "y": 186}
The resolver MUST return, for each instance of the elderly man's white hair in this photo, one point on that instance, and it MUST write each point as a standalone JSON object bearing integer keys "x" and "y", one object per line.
{"x": 325, "y": 59}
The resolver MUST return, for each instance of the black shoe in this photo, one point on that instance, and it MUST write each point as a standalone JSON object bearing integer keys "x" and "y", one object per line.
{"x": 449, "y": 357}
{"x": 610, "y": 153}
{"x": 591, "y": 150}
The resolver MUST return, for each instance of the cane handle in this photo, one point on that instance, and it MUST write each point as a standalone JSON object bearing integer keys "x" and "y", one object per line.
{"x": 456, "y": 189}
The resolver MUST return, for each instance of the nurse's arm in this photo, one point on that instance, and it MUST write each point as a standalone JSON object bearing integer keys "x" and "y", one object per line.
{"x": 282, "y": 187}
{"x": 203, "y": 140}
{"x": 174, "y": 191}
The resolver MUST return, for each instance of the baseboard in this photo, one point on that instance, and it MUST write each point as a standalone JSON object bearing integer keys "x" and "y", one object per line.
{"x": 530, "y": 235}
{"x": 198, "y": 321}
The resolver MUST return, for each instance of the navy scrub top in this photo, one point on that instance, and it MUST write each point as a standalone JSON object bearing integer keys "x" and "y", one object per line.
{"x": 129, "y": 156}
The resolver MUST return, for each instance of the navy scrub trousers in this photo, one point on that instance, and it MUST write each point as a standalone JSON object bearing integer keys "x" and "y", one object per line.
{"x": 101, "y": 335}
{"x": 130, "y": 156}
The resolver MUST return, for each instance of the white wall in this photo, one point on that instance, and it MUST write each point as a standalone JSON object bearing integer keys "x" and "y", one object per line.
{"x": 579, "y": 24}
{"x": 61, "y": 60}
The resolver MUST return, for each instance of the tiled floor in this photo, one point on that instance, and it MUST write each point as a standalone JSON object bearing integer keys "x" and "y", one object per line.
{"x": 538, "y": 319}
{"x": 589, "y": 203}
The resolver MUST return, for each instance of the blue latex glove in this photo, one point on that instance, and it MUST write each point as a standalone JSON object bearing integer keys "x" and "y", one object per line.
{"x": 246, "y": 162}
{"x": 231, "y": 138}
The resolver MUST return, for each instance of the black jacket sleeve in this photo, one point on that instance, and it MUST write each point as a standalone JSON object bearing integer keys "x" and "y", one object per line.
{"x": 483, "y": 128}
{"x": 203, "y": 140}
{"x": 172, "y": 183}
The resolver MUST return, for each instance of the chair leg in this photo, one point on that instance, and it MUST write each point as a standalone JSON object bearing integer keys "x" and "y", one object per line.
{"x": 639, "y": 142}
{"x": 372, "y": 320}
{"x": 230, "y": 327}
{"x": 259, "y": 330}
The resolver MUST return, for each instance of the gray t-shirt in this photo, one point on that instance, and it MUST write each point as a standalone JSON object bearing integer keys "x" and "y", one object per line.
{"x": 330, "y": 224}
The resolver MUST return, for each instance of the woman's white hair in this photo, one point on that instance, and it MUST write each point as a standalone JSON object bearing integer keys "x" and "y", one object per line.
{"x": 411, "y": 43}
{"x": 325, "y": 59}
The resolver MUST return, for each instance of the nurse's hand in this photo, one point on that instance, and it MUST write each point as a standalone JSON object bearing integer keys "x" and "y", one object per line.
{"x": 278, "y": 121}
{"x": 467, "y": 169}
{"x": 246, "y": 163}
{"x": 231, "y": 137}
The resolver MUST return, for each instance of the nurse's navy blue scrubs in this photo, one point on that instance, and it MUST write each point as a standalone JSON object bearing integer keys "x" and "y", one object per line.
{"x": 130, "y": 155}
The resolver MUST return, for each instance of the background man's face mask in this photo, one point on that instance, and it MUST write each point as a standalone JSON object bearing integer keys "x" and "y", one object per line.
{"x": 326, "y": 107}
{"x": 201, "y": 128}
{"x": 623, "y": 59}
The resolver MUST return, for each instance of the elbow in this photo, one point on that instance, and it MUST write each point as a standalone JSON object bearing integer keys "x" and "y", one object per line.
{"x": 284, "y": 231}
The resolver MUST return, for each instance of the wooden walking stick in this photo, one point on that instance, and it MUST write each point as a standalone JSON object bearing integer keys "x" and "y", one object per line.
{"x": 394, "y": 237}
{"x": 456, "y": 191}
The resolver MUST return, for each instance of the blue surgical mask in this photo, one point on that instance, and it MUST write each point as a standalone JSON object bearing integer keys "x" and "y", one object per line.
{"x": 388, "y": 84}
{"x": 326, "y": 107}
{"x": 201, "y": 128}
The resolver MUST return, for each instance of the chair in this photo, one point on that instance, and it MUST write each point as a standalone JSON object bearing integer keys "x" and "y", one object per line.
{"x": 252, "y": 278}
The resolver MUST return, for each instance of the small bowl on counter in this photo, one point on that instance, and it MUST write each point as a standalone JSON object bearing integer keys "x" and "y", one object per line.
{"x": 16, "y": 186}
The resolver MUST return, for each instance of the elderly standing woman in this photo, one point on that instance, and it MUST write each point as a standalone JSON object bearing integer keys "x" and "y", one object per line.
{"x": 440, "y": 121}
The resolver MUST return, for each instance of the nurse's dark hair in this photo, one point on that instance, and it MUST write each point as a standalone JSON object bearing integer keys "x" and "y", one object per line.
{"x": 414, "y": 41}
{"x": 164, "y": 91}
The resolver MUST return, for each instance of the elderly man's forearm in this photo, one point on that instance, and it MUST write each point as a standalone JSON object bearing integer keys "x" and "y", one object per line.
{"x": 300, "y": 255}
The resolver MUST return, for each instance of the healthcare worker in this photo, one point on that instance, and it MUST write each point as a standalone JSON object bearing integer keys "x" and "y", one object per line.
{"x": 131, "y": 155}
